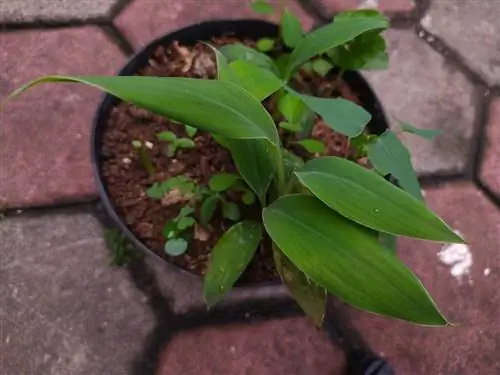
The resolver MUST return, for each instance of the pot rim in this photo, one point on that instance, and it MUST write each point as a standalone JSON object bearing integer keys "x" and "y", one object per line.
{"x": 139, "y": 59}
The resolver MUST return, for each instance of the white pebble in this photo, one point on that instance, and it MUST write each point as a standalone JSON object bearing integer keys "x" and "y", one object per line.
{"x": 148, "y": 145}
{"x": 126, "y": 161}
{"x": 232, "y": 349}
{"x": 486, "y": 271}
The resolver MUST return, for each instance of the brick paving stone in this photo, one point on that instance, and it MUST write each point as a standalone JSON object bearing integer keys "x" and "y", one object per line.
{"x": 54, "y": 10}
{"x": 63, "y": 309}
{"x": 490, "y": 168}
{"x": 472, "y": 301}
{"x": 387, "y": 6}
{"x": 291, "y": 346}
{"x": 45, "y": 132}
{"x": 421, "y": 88}
{"x": 145, "y": 20}
{"x": 478, "y": 42}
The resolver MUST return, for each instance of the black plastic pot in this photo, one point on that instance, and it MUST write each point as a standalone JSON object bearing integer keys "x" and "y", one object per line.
{"x": 249, "y": 29}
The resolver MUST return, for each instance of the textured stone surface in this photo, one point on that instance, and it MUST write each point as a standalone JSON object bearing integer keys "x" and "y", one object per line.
{"x": 63, "y": 310}
{"x": 145, "y": 20}
{"x": 472, "y": 301}
{"x": 291, "y": 346}
{"x": 490, "y": 168}
{"x": 44, "y": 135}
{"x": 54, "y": 10}
{"x": 421, "y": 88}
{"x": 478, "y": 42}
{"x": 388, "y": 6}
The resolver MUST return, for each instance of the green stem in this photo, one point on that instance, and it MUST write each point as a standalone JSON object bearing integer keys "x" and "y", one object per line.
{"x": 280, "y": 171}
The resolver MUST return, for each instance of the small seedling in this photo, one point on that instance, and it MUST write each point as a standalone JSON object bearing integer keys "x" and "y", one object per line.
{"x": 174, "y": 229}
{"x": 144, "y": 156}
{"x": 174, "y": 143}
{"x": 186, "y": 186}
{"x": 265, "y": 44}
{"x": 190, "y": 131}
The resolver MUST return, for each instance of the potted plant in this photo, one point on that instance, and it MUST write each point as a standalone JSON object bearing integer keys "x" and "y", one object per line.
{"x": 239, "y": 145}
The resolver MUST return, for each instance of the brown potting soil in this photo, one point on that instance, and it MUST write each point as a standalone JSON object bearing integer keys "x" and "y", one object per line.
{"x": 128, "y": 181}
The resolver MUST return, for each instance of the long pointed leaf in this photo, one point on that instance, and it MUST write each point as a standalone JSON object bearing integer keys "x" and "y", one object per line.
{"x": 347, "y": 260}
{"x": 230, "y": 257}
{"x": 342, "y": 30}
{"x": 368, "y": 199}
{"x": 310, "y": 296}
{"x": 389, "y": 156}
{"x": 213, "y": 106}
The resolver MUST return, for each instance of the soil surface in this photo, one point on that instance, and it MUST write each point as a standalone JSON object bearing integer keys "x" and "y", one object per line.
{"x": 128, "y": 181}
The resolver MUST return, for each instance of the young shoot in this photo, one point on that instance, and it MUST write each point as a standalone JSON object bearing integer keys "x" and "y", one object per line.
{"x": 144, "y": 157}
{"x": 174, "y": 143}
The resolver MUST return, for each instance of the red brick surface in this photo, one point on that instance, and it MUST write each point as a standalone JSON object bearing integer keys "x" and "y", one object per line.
{"x": 490, "y": 168}
{"x": 291, "y": 346}
{"x": 145, "y": 20}
{"x": 388, "y": 6}
{"x": 474, "y": 303}
{"x": 44, "y": 134}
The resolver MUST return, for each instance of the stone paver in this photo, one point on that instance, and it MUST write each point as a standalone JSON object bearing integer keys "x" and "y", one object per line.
{"x": 388, "y": 6}
{"x": 472, "y": 301}
{"x": 478, "y": 43}
{"x": 54, "y": 10}
{"x": 421, "y": 88}
{"x": 291, "y": 346}
{"x": 145, "y": 20}
{"x": 490, "y": 167}
{"x": 63, "y": 310}
{"x": 44, "y": 135}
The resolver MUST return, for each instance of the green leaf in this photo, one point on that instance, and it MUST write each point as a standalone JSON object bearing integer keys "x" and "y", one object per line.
{"x": 248, "y": 197}
{"x": 389, "y": 155}
{"x": 321, "y": 66}
{"x": 222, "y": 181}
{"x": 340, "y": 114}
{"x": 170, "y": 229}
{"x": 237, "y": 51}
{"x": 265, "y": 44}
{"x": 343, "y": 29}
{"x": 156, "y": 191}
{"x": 293, "y": 108}
{"x": 312, "y": 145}
{"x": 367, "y": 51}
{"x": 291, "y": 29}
{"x": 290, "y": 126}
{"x": 428, "y": 134}
{"x": 190, "y": 131}
{"x": 347, "y": 260}
{"x": 185, "y": 223}
{"x": 166, "y": 136}
{"x": 368, "y": 199}
{"x": 207, "y": 210}
{"x": 262, "y": 7}
{"x": 230, "y": 257}
{"x": 260, "y": 82}
{"x": 310, "y": 296}
{"x": 292, "y": 163}
{"x": 214, "y": 106}
{"x": 231, "y": 211}
{"x": 389, "y": 241}
{"x": 255, "y": 163}
{"x": 176, "y": 246}
{"x": 185, "y": 211}
{"x": 185, "y": 143}
{"x": 281, "y": 62}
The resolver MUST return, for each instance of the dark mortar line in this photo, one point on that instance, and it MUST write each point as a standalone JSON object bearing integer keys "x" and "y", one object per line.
{"x": 316, "y": 9}
{"x": 450, "y": 55}
{"x": 118, "y": 7}
{"x": 118, "y": 38}
{"x": 83, "y": 206}
{"x": 493, "y": 197}
{"x": 439, "y": 179}
{"x": 42, "y": 25}
{"x": 407, "y": 20}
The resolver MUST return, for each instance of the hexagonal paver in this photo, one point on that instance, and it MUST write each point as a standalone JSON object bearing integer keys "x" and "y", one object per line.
{"x": 478, "y": 43}
{"x": 45, "y": 132}
{"x": 54, "y": 10}
{"x": 63, "y": 309}
{"x": 291, "y": 346}
{"x": 466, "y": 290}
{"x": 421, "y": 88}
{"x": 145, "y": 20}
{"x": 490, "y": 168}
{"x": 388, "y": 6}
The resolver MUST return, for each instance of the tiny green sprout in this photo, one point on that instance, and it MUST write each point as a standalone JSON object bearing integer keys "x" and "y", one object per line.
{"x": 265, "y": 44}
{"x": 222, "y": 181}
{"x": 190, "y": 131}
{"x": 176, "y": 246}
{"x": 185, "y": 185}
{"x": 321, "y": 66}
{"x": 144, "y": 156}
{"x": 312, "y": 145}
{"x": 262, "y": 7}
{"x": 174, "y": 142}
{"x": 208, "y": 208}
{"x": 293, "y": 109}
{"x": 231, "y": 211}
{"x": 248, "y": 197}
{"x": 121, "y": 249}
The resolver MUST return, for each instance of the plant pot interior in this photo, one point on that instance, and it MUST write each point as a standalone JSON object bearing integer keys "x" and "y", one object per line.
{"x": 125, "y": 181}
